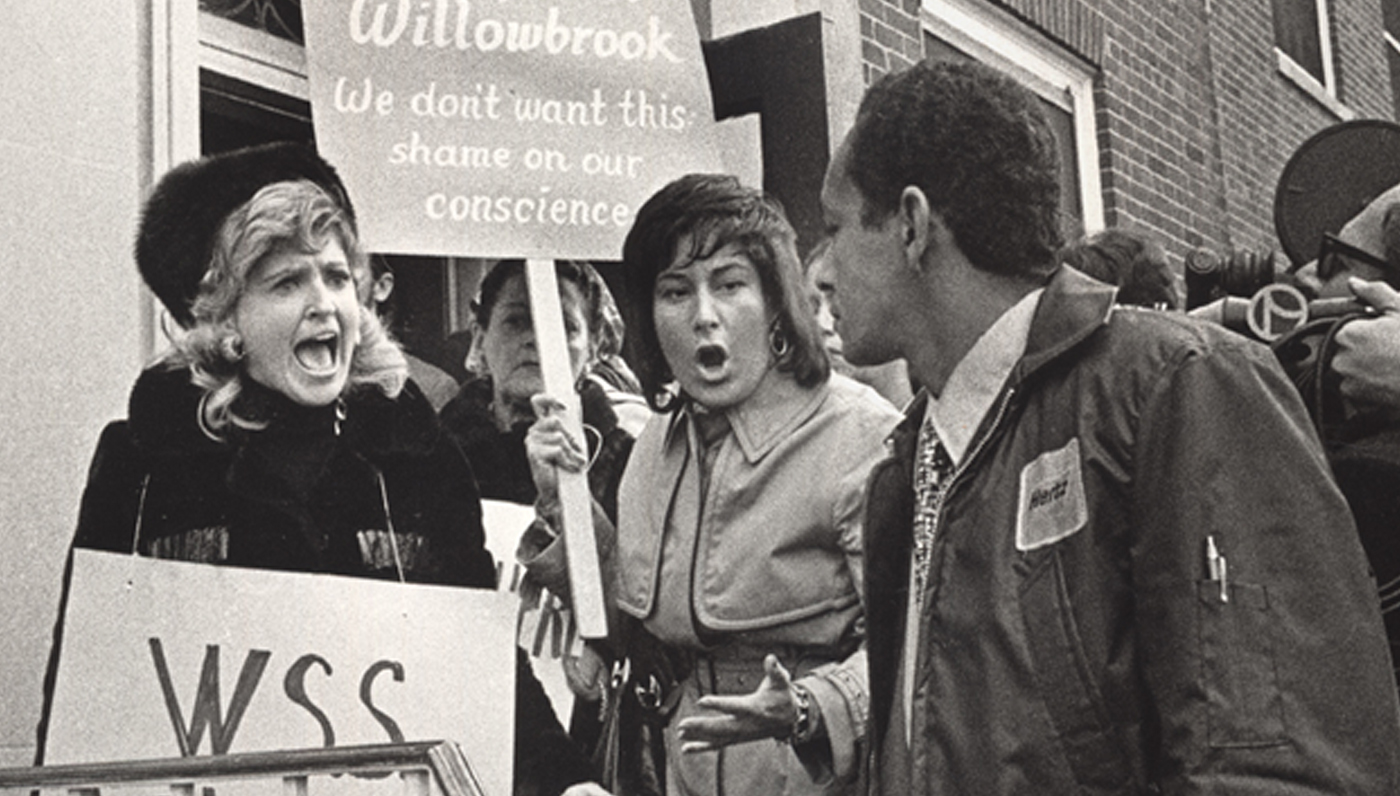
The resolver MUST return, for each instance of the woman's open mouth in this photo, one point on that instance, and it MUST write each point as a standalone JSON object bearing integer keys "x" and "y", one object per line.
{"x": 319, "y": 354}
{"x": 711, "y": 359}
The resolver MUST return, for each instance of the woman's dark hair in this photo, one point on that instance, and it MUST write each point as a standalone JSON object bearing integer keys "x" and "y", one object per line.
{"x": 978, "y": 145}
{"x": 565, "y": 270}
{"x": 606, "y": 330}
{"x": 691, "y": 219}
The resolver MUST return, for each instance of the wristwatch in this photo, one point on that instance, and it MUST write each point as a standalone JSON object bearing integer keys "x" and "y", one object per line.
{"x": 803, "y": 728}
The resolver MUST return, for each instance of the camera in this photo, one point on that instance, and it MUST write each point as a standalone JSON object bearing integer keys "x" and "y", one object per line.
{"x": 1241, "y": 273}
{"x": 1246, "y": 291}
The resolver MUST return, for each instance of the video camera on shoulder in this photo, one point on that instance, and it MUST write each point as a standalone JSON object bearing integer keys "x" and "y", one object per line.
{"x": 1250, "y": 292}
{"x": 1343, "y": 182}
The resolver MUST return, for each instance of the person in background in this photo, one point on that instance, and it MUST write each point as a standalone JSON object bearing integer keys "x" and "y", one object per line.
{"x": 280, "y": 430}
{"x": 1134, "y": 262}
{"x": 1362, "y": 385}
{"x": 738, "y": 540}
{"x": 1363, "y": 260}
{"x": 890, "y": 379}
{"x": 1106, "y": 554}
{"x": 376, "y": 291}
{"x": 491, "y": 414}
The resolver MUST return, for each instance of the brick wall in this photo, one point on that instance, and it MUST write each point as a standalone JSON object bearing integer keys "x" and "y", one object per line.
{"x": 1363, "y": 74}
{"x": 1195, "y": 121}
{"x": 891, "y": 36}
{"x": 1154, "y": 119}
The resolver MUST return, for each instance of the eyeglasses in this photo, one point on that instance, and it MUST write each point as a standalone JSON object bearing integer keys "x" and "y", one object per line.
{"x": 1333, "y": 253}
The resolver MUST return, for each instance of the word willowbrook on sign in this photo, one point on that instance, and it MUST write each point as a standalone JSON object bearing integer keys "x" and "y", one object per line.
{"x": 520, "y": 129}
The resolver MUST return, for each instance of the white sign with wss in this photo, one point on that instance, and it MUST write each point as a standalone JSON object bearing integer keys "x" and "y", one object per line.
{"x": 168, "y": 659}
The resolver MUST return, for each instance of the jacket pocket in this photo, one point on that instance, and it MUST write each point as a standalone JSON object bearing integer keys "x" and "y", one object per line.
{"x": 1067, "y": 687}
{"x": 1243, "y": 704}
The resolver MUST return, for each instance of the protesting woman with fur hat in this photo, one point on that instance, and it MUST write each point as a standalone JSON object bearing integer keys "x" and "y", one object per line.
{"x": 280, "y": 430}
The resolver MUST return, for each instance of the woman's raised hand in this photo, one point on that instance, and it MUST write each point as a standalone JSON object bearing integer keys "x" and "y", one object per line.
{"x": 549, "y": 445}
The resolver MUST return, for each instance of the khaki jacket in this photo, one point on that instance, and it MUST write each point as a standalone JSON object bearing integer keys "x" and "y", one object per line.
{"x": 779, "y": 543}
{"x": 778, "y": 556}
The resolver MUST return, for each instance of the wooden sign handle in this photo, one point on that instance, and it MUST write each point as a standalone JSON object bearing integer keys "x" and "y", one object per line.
{"x": 576, "y": 503}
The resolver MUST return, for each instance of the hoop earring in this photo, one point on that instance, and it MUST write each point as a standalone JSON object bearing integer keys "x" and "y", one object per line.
{"x": 777, "y": 341}
{"x": 232, "y": 348}
{"x": 665, "y": 400}
{"x": 582, "y": 379}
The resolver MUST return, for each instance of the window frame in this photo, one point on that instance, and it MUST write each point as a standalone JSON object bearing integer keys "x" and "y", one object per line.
{"x": 997, "y": 39}
{"x": 1328, "y": 81}
{"x": 252, "y": 56}
{"x": 1323, "y": 91}
{"x": 1389, "y": 11}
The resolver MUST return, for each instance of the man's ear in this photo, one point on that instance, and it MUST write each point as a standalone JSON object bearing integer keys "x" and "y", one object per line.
{"x": 914, "y": 215}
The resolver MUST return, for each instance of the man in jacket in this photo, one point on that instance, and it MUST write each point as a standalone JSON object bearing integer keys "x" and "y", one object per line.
{"x": 1106, "y": 555}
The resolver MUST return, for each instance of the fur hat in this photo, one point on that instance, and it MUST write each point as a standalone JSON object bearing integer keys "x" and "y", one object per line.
{"x": 183, "y": 215}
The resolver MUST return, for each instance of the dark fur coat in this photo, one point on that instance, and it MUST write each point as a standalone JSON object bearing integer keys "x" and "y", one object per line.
{"x": 307, "y": 493}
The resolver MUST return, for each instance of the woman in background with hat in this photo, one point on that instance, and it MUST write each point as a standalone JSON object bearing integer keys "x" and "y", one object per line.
{"x": 280, "y": 431}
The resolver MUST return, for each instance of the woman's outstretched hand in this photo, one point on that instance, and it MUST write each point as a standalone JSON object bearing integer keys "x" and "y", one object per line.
{"x": 548, "y": 445}
{"x": 769, "y": 712}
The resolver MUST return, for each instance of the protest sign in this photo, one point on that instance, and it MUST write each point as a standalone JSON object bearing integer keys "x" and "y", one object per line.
{"x": 173, "y": 659}
{"x": 507, "y": 128}
{"x": 545, "y": 628}
{"x": 512, "y": 128}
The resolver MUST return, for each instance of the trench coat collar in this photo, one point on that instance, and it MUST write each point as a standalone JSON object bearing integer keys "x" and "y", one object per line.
{"x": 765, "y": 418}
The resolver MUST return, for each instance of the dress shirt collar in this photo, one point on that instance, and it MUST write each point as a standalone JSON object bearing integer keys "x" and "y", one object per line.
{"x": 976, "y": 381}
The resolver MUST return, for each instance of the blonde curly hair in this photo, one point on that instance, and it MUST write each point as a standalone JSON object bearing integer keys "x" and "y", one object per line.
{"x": 299, "y": 215}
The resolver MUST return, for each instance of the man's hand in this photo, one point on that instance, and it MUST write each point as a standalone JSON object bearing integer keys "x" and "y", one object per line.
{"x": 768, "y": 712}
{"x": 1368, "y": 350}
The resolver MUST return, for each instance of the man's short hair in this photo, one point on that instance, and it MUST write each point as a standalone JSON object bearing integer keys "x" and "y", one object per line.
{"x": 978, "y": 145}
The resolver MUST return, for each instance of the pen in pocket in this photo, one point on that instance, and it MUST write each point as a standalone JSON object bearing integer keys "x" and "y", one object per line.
{"x": 1217, "y": 568}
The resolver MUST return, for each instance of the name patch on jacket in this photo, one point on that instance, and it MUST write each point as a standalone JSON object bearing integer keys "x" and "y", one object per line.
{"x": 1052, "y": 503}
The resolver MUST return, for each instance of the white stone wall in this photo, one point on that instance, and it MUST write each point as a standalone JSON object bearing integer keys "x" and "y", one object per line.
{"x": 71, "y": 312}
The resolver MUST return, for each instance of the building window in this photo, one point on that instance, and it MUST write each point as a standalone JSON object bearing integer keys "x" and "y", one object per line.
{"x": 1302, "y": 34}
{"x": 1391, "y": 10}
{"x": 252, "y": 83}
{"x": 280, "y": 18}
{"x": 963, "y": 29}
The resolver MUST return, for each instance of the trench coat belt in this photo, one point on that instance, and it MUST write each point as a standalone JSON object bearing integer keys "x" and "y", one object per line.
{"x": 736, "y": 669}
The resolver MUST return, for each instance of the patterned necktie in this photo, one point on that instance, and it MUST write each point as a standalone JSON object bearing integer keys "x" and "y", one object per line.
{"x": 932, "y": 468}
